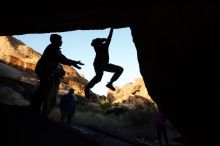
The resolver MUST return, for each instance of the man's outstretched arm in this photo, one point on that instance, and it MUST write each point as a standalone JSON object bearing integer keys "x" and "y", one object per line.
{"x": 76, "y": 63}
{"x": 109, "y": 36}
{"x": 63, "y": 60}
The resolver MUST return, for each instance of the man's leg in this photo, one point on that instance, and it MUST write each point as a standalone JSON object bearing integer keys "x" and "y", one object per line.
{"x": 50, "y": 101}
{"x": 48, "y": 92}
{"x": 62, "y": 118}
{"x": 36, "y": 100}
{"x": 69, "y": 118}
{"x": 163, "y": 128}
{"x": 159, "y": 134}
{"x": 117, "y": 73}
{"x": 97, "y": 78}
{"x": 40, "y": 95}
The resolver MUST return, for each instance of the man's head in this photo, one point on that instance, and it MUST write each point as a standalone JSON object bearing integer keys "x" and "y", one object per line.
{"x": 56, "y": 39}
{"x": 98, "y": 41}
{"x": 71, "y": 91}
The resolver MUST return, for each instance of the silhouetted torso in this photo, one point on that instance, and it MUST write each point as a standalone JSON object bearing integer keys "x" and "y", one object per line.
{"x": 50, "y": 59}
{"x": 68, "y": 103}
{"x": 102, "y": 55}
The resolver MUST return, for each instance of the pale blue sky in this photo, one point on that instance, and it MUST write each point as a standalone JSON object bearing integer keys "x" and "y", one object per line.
{"x": 76, "y": 46}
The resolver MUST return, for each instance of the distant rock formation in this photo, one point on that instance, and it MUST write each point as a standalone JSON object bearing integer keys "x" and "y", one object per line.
{"x": 15, "y": 52}
{"x": 73, "y": 79}
{"x": 131, "y": 93}
{"x": 18, "y": 55}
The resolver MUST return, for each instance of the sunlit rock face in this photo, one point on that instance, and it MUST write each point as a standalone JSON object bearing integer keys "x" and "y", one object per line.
{"x": 18, "y": 55}
{"x": 75, "y": 80}
{"x": 15, "y": 52}
{"x": 132, "y": 92}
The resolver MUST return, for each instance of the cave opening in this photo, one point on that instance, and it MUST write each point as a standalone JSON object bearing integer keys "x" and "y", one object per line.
{"x": 77, "y": 46}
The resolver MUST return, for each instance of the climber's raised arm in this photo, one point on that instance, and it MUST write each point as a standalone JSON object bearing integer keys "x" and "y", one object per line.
{"x": 108, "y": 40}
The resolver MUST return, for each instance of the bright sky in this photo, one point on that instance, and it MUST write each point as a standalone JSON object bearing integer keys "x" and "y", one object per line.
{"x": 76, "y": 46}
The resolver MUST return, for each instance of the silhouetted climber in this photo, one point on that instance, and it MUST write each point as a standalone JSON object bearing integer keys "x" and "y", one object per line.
{"x": 50, "y": 71}
{"x": 67, "y": 106}
{"x": 101, "y": 63}
{"x": 160, "y": 120}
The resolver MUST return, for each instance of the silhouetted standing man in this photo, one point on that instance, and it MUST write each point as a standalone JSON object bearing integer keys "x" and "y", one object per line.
{"x": 45, "y": 69}
{"x": 101, "y": 63}
{"x": 160, "y": 120}
{"x": 67, "y": 106}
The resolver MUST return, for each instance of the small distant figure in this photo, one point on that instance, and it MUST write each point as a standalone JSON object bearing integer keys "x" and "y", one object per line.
{"x": 101, "y": 63}
{"x": 67, "y": 106}
{"x": 160, "y": 120}
{"x": 50, "y": 71}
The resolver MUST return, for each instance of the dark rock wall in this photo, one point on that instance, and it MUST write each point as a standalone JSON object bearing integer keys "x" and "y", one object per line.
{"x": 177, "y": 51}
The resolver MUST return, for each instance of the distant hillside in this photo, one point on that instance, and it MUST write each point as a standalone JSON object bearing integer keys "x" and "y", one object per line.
{"x": 15, "y": 52}
{"x": 23, "y": 58}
